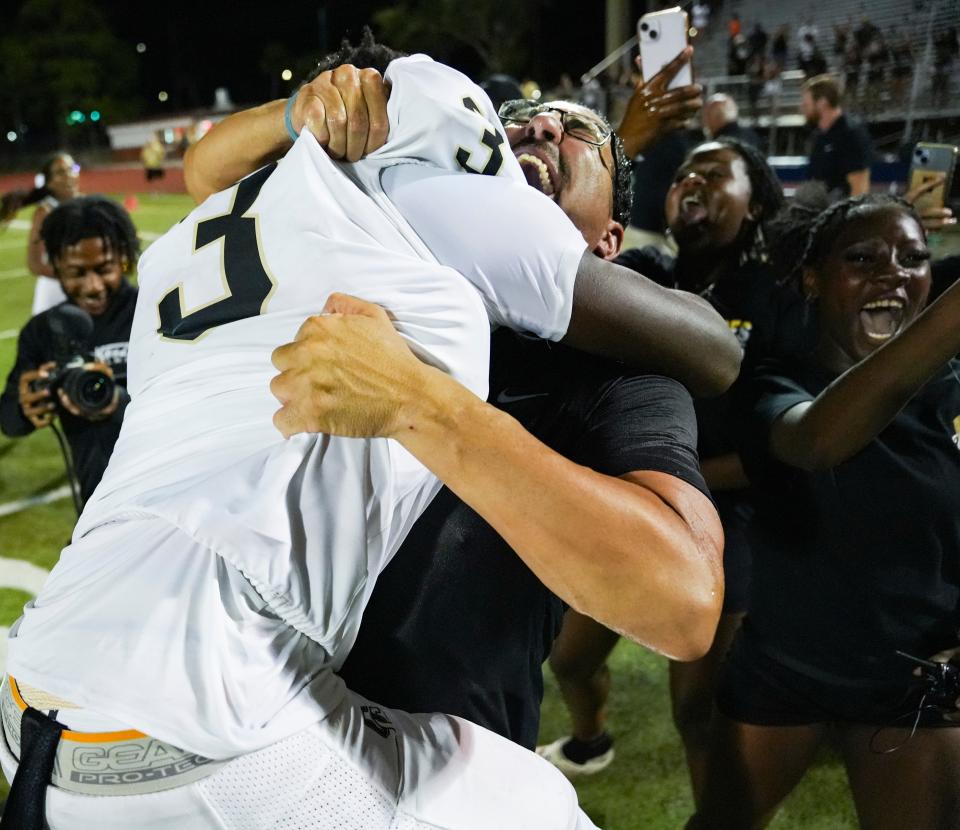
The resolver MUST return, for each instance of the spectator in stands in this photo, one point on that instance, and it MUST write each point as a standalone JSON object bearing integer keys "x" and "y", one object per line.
{"x": 57, "y": 181}
{"x": 700, "y": 16}
{"x": 865, "y": 33}
{"x": 92, "y": 245}
{"x": 758, "y": 41}
{"x": 738, "y": 55}
{"x": 721, "y": 198}
{"x": 901, "y": 58}
{"x": 946, "y": 47}
{"x": 653, "y": 136}
{"x": 842, "y": 149}
{"x": 809, "y": 56}
{"x": 853, "y": 449}
{"x": 719, "y": 118}
{"x": 779, "y": 47}
{"x": 877, "y": 57}
{"x": 733, "y": 25}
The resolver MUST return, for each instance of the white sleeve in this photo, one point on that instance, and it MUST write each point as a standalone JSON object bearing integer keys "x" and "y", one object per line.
{"x": 514, "y": 244}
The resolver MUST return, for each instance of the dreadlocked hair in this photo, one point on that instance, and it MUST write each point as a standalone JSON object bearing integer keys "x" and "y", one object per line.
{"x": 368, "y": 54}
{"x": 766, "y": 192}
{"x": 804, "y": 230}
{"x": 622, "y": 181}
{"x": 89, "y": 217}
{"x": 14, "y": 200}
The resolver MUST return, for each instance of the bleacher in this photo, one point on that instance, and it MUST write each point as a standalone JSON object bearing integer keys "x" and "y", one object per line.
{"x": 921, "y": 20}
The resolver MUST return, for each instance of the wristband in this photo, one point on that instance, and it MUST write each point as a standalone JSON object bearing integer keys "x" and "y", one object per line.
{"x": 286, "y": 116}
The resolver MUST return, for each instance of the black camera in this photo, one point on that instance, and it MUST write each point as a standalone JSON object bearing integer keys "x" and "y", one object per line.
{"x": 940, "y": 683}
{"x": 90, "y": 389}
{"x": 71, "y": 333}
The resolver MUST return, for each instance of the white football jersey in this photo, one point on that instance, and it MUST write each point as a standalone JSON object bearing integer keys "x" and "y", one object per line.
{"x": 308, "y": 522}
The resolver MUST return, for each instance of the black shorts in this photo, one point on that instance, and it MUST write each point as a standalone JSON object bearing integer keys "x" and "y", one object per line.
{"x": 737, "y": 560}
{"x": 758, "y": 689}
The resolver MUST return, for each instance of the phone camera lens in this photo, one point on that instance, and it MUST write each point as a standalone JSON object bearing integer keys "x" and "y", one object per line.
{"x": 653, "y": 35}
{"x": 644, "y": 27}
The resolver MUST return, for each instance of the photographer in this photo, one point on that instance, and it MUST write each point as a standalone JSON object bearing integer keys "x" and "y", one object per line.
{"x": 72, "y": 359}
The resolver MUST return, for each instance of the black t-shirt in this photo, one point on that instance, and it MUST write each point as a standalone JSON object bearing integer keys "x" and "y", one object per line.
{"x": 768, "y": 319}
{"x": 457, "y": 622}
{"x": 91, "y": 442}
{"x": 855, "y": 562}
{"x": 844, "y": 148}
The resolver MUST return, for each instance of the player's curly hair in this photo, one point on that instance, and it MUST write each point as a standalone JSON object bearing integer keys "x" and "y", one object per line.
{"x": 368, "y": 54}
{"x": 89, "y": 217}
{"x": 802, "y": 233}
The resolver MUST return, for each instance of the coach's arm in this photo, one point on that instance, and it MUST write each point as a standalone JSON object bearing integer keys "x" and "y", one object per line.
{"x": 641, "y": 553}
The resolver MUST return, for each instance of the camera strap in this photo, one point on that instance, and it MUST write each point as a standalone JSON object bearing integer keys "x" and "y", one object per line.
{"x": 39, "y": 738}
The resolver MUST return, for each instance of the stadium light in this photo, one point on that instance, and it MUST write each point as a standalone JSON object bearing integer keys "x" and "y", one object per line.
{"x": 162, "y": 96}
{"x": 141, "y": 48}
{"x": 94, "y": 115}
{"x": 76, "y": 117}
{"x": 286, "y": 74}
{"x": 11, "y": 136}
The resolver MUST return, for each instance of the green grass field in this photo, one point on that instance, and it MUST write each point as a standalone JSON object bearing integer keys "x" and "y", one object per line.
{"x": 645, "y": 789}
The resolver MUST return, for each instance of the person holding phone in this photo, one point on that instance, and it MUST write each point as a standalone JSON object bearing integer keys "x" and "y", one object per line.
{"x": 854, "y": 451}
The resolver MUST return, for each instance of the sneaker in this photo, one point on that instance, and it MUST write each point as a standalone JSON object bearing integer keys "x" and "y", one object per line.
{"x": 588, "y": 758}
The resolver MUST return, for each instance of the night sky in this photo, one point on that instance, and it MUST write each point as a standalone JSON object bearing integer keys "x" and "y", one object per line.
{"x": 194, "y": 47}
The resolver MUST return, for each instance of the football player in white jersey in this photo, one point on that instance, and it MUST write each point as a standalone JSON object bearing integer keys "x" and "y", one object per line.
{"x": 220, "y": 572}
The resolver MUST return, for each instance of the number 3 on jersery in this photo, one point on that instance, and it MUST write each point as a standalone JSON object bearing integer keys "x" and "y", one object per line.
{"x": 247, "y": 282}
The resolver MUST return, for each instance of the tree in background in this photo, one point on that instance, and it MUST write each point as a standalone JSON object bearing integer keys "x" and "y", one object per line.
{"x": 59, "y": 56}
{"x": 499, "y": 32}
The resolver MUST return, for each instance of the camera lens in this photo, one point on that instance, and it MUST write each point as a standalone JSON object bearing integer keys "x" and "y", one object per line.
{"x": 653, "y": 35}
{"x": 644, "y": 27}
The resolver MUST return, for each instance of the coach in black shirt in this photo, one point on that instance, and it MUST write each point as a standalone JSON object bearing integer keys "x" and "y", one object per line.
{"x": 457, "y": 622}
{"x": 842, "y": 151}
{"x": 92, "y": 244}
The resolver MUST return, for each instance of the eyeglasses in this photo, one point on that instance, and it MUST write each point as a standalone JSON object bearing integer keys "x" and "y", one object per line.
{"x": 575, "y": 124}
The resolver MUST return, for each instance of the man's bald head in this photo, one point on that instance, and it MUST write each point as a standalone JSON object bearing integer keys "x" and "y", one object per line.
{"x": 719, "y": 111}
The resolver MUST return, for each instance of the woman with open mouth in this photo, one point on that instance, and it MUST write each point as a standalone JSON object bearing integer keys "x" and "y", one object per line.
{"x": 854, "y": 452}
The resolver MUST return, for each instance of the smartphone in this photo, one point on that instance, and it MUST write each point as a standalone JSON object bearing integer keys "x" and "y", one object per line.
{"x": 928, "y": 162}
{"x": 663, "y": 35}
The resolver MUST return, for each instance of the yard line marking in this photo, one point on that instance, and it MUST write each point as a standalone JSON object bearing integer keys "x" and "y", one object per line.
{"x": 6, "y": 334}
{"x": 14, "y": 273}
{"x": 22, "y": 575}
{"x": 11, "y": 507}
{"x": 19, "y": 225}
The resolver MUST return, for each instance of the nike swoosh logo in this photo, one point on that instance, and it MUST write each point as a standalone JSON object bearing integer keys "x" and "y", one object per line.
{"x": 505, "y": 397}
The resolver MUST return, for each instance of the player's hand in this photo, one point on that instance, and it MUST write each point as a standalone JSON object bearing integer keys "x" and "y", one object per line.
{"x": 37, "y": 405}
{"x": 654, "y": 111}
{"x": 346, "y": 110}
{"x": 347, "y": 373}
{"x": 932, "y": 218}
{"x": 67, "y": 402}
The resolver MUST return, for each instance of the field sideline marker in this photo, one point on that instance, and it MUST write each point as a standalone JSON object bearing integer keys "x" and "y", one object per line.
{"x": 62, "y": 492}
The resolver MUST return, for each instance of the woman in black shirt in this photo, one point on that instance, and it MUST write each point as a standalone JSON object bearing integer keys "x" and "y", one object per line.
{"x": 856, "y": 450}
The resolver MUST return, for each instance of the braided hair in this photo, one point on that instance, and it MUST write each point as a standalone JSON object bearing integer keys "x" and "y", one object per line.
{"x": 89, "y": 217}
{"x": 14, "y": 200}
{"x": 766, "y": 193}
{"x": 804, "y": 231}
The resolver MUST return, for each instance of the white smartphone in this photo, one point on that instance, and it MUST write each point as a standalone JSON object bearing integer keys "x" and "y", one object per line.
{"x": 928, "y": 162}
{"x": 663, "y": 35}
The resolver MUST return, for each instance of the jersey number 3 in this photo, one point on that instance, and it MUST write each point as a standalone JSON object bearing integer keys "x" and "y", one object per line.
{"x": 247, "y": 282}
{"x": 491, "y": 139}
